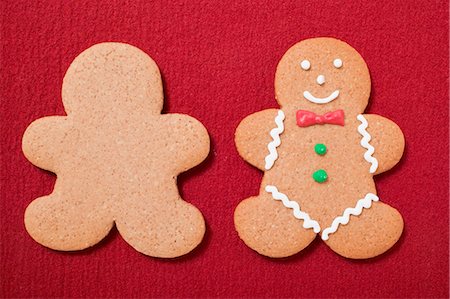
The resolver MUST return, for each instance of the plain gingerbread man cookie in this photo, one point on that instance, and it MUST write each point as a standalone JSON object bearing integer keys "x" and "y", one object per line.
{"x": 319, "y": 154}
{"x": 116, "y": 158}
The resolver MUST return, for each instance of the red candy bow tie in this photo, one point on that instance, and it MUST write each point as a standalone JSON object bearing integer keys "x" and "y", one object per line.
{"x": 307, "y": 118}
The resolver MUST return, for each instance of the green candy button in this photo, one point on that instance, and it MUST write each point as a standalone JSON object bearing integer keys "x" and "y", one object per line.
{"x": 320, "y": 176}
{"x": 320, "y": 149}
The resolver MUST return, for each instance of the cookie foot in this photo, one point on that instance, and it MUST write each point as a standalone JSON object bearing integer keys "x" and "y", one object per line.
{"x": 66, "y": 224}
{"x": 270, "y": 228}
{"x": 166, "y": 230}
{"x": 372, "y": 233}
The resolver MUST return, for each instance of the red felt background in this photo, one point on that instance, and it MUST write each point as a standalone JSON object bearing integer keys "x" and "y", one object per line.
{"x": 218, "y": 60}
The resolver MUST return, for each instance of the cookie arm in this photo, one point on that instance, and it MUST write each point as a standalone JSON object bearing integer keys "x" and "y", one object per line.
{"x": 191, "y": 141}
{"x": 252, "y": 136}
{"x": 387, "y": 139}
{"x": 44, "y": 140}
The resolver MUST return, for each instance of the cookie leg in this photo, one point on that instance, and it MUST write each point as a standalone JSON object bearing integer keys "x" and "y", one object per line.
{"x": 161, "y": 228}
{"x": 370, "y": 234}
{"x": 268, "y": 227}
{"x": 64, "y": 224}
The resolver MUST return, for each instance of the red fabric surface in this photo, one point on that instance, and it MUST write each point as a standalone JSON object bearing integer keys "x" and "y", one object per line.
{"x": 218, "y": 61}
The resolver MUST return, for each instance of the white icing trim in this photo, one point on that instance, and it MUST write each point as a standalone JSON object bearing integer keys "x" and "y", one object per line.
{"x": 365, "y": 202}
{"x": 365, "y": 143}
{"x": 307, "y": 95}
{"x": 275, "y": 134}
{"x": 307, "y": 221}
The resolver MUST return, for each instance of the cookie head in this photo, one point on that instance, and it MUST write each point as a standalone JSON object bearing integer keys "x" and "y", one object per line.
{"x": 323, "y": 74}
{"x": 112, "y": 79}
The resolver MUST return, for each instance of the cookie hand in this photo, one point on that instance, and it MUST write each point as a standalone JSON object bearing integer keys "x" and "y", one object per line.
{"x": 190, "y": 141}
{"x": 387, "y": 139}
{"x": 252, "y": 136}
{"x": 45, "y": 139}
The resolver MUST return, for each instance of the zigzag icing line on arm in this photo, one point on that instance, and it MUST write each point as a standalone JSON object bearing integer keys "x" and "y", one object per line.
{"x": 362, "y": 129}
{"x": 276, "y": 141}
{"x": 307, "y": 221}
{"x": 365, "y": 203}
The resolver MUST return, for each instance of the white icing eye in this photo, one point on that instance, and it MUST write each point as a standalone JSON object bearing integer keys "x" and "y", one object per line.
{"x": 305, "y": 64}
{"x": 337, "y": 63}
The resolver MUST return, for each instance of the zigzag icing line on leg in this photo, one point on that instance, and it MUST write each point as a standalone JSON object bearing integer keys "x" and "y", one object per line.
{"x": 365, "y": 143}
{"x": 307, "y": 221}
{"x": 365, "y": 203}
{"x": 275, "y": 134}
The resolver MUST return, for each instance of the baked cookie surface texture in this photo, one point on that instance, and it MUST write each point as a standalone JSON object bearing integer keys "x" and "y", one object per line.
{"x": 116, "y": 158}
{"x": 319, "y": 154}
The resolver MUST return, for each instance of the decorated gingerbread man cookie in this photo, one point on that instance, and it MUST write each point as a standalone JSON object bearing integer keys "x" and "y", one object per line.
{"x": 319, "y": 154}
{"x": 116, "y": 158}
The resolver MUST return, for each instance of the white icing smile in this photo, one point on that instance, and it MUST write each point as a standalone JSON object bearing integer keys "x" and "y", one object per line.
{"x": 328, "y": 99}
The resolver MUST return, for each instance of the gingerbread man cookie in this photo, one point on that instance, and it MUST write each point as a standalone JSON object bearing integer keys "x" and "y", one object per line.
{"x": 116, "y": 158}
{"x": 319, "y": 154}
